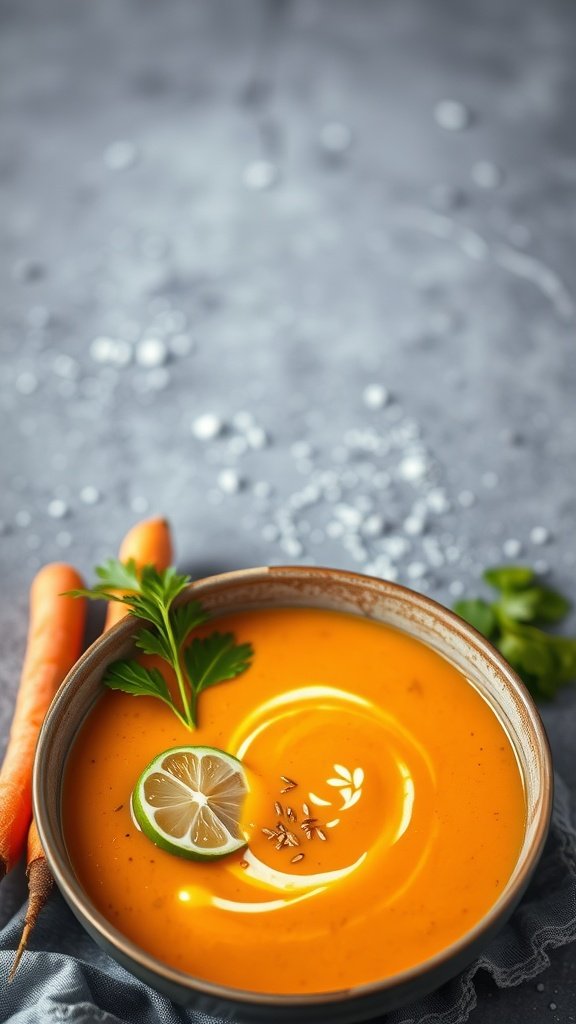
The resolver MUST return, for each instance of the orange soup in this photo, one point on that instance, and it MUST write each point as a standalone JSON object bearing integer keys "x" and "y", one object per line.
{"x": 411, "y": 782}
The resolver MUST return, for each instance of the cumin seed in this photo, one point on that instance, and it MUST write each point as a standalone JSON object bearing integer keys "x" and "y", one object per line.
{"x": 298, "y": 857}
{"x": 321, "y": 835}
{"x": 290, "y": 814}
{"x": 278, "y": 808}
{"x": 306, "y": 810}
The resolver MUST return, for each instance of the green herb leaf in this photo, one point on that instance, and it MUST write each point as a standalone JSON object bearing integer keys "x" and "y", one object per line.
{"x": 553, "y": 606}
{"x": 148, "y": 594}
{"x": 185, "y": 619}
{"x": 214, "y": 659}
{"x": 509, "y": 577}
{"x": 543, "y": 660}
{"x": 115, "y": 575}
{"x": 153, "y": 643}
{"x": 132, "y": 677}
{"x": 535, "y": 604}
{"x": 479, "y": 614}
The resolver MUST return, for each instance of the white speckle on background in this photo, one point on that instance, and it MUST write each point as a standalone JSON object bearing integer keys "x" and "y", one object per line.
{"x": 466, "y": 499}
{"x": 111, "y": 350}
{"x": 181, "y": 345}
{"x": 512, "y": 547}
{"x": 487, "y": 175}
{"x": 151, "y": 352}
{"x": 335, "y": 137}
{"x": 120, "y": 155}
{"x": 456, "y": 588}
{"x": 270, "y": 532}
{"x": 229, "y": 481}
{"x": 452, "y": 115}
{"x": 89, "y": 495}
{"x": 375, "y": 396}
{"x": 413, "y": 467}
{"x": 257, "y": 437}
{"x": 539, "y": 535}
{"x": 416, "y": 570}
{"x": 64, "y": 539}
{"x": 57, "y": 509}
{"x": 414, "y": 526}
{"x": 260, "y": 175}
{"x": 262, "y": 489}
{"x": 23, "y": 518}
{"x": 207, "y": 427}
{"x": 26, "y": 383}
{"x": 65, "y": 366}
{"x": 139, "y": 504}
{"x": 292, "y": 547}
{"x": 490, "y": 480}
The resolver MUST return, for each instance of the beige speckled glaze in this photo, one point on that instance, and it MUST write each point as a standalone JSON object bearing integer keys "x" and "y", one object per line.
{"x": 323, "y": 588}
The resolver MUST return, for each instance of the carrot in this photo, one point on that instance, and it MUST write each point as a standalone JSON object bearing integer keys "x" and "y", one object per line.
{"x": 40, "y": 882}
{"x": 148, "y": 543}
{"x": 55, "y": 637}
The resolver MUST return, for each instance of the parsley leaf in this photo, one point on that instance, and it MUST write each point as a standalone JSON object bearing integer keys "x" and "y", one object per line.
{"x": 479, "y": 614}
{"x": 544, "y": 660}
{"x": 148, "y": 594}
{"x": 215, "y": 659}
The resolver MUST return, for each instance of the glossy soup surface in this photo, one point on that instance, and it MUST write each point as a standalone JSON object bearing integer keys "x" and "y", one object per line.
{"x": 423, "y": 828}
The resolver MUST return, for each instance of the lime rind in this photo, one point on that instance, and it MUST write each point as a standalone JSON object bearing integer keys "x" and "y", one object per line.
{"x": 188, "y": 801}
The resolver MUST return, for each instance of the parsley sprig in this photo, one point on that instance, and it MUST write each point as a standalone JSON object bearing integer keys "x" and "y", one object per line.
{"x": 545, "y": 661}
{"x": 149, "y": 595}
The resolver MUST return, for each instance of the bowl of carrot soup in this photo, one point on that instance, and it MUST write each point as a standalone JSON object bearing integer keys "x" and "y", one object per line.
{"x": 350, "y": 821}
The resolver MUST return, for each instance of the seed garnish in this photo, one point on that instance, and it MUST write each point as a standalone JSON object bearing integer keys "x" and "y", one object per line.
{"x": 306, "y": 810}
{"x": 288, "y": 784}
{"x": 321, "y": 835}
{"x": 290, "y": 814}
{"x": 278, "y": 808}
{"x": 298, "y": 857}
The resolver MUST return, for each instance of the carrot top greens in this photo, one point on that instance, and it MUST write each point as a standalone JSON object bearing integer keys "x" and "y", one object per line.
{"x": 199, "y": 663}
{"x": 545, "y": 661}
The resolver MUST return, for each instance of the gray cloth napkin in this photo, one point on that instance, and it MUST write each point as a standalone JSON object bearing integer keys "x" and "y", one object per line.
{"x": 65, "y": 977}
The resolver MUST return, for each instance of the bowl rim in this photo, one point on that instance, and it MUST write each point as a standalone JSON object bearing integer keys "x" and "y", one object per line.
{"x": 128, "y": 950}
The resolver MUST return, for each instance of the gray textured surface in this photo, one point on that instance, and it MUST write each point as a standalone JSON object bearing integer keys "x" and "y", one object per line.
{"x": 386, "y": 263}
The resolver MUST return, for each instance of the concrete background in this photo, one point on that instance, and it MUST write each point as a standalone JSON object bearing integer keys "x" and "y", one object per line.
{"x": 259, "y": 211}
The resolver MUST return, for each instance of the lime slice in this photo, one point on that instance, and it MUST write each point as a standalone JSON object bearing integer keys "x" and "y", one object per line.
{"x": 188, "y": 801}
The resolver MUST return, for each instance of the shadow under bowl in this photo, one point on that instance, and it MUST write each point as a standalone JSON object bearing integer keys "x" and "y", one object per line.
{"x": 389, "y": 603}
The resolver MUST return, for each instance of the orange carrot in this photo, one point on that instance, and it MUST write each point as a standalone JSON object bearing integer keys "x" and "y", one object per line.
{"x": 148, "y": 543}
{"x": 40, "y": 882}
{"x": 55, "y": 637}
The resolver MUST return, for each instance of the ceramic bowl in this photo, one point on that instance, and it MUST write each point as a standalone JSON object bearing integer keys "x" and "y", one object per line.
{"x": 347, "y": 592}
